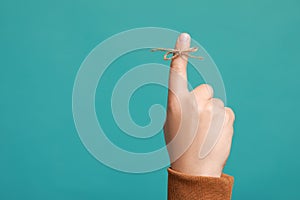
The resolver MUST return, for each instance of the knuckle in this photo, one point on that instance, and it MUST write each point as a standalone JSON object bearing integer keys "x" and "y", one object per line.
{"x": 209, "y": 106}
{"x": 206, "y": 87}
{"x": 230, "y": 114}
{"x": 206, "y": 90}
{"x": 218, "y": 102}
{"x": 214, "y": 105}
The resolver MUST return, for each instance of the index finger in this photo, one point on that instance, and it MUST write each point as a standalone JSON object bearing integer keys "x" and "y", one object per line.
{"x": 178, "y": 70}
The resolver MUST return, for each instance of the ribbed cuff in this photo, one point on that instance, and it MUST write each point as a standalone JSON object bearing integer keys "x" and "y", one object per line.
{"x": 186, "y": 187}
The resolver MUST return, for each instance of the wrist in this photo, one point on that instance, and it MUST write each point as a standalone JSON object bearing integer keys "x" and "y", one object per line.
{"x": 206, "y": 171}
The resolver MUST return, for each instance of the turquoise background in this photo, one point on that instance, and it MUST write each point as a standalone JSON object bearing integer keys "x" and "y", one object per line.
{"x": 255, "y": 44}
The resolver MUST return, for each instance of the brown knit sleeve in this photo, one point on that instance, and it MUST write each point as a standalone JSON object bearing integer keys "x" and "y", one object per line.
{"x": 185, "y": 187}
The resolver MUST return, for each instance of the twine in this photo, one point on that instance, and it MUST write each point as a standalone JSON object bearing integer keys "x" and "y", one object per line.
{"x": 178, "y": 52}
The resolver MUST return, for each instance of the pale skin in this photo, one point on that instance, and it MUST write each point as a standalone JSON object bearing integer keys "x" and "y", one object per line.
{"x": 199, "y": 106}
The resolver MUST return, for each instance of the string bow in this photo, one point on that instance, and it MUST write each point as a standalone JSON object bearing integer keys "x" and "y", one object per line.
{"x": 178, "y": 52}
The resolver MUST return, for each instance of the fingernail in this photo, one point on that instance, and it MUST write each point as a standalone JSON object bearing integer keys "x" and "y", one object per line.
{"x": 184, "y": 37}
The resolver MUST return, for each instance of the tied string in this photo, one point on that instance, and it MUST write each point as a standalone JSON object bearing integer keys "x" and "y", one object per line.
{"x": 178, "y": 52}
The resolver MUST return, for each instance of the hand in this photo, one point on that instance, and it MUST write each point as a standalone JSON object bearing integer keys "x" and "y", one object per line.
{"x": 196, "y": 119}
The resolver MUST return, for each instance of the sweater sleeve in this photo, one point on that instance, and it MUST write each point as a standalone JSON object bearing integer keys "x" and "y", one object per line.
{"x": 185, "y": 187}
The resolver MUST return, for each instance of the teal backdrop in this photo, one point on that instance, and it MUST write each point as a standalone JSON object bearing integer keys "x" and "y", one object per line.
{"x": 255, "y": 45}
